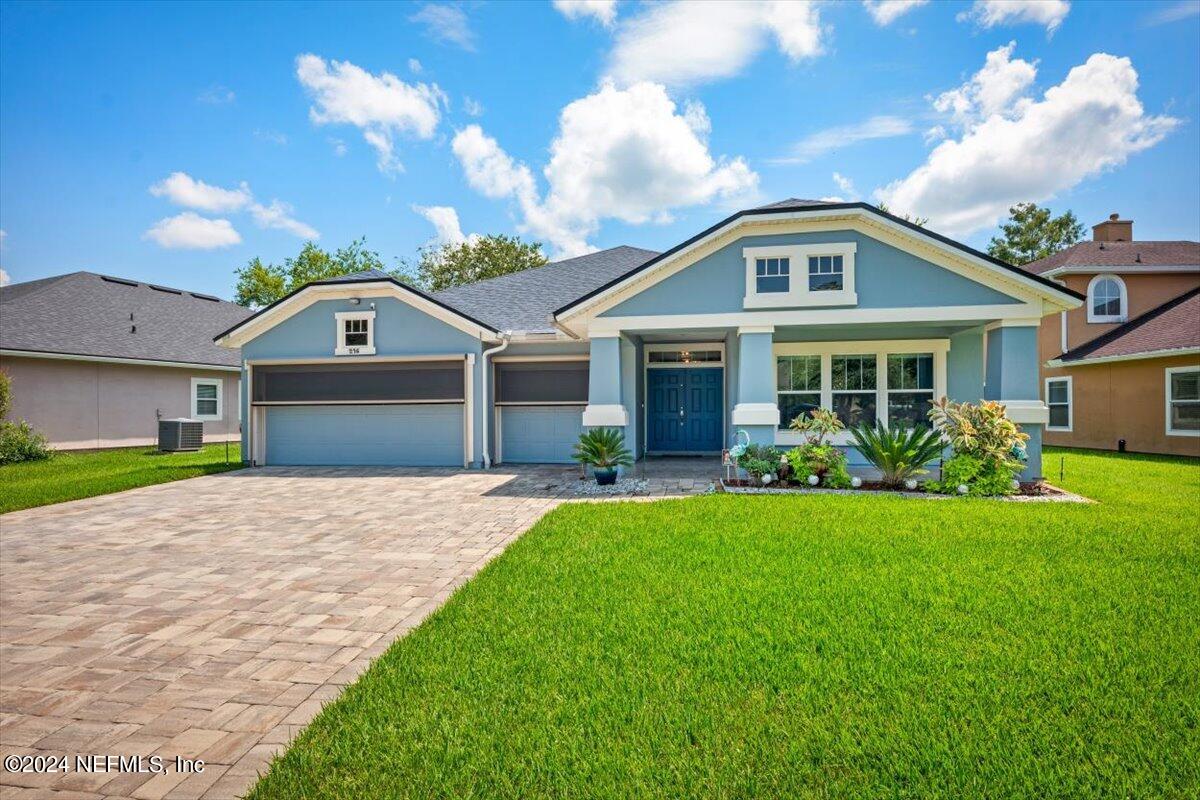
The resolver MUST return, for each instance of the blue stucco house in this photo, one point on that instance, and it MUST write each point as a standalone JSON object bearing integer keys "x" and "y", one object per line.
{"x": 770, "y": 312}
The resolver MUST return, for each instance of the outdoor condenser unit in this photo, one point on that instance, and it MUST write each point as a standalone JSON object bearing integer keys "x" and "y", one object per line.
{"x": 180, "y": 434}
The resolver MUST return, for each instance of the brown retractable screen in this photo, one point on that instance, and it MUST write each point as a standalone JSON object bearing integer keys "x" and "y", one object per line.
{"x": 542, "y": 382}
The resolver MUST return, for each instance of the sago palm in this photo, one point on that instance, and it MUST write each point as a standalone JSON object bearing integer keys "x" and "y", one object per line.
{"x": 898, "y": 454}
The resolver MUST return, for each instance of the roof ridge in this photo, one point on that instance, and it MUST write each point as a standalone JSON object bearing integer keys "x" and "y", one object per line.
{"x": 1131, "y": 325}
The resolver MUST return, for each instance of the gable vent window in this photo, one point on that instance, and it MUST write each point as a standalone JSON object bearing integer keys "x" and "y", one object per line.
{"x": 772, "y": 275}
{"x": 825, "y": 273}
{"x": 355, "y": 333}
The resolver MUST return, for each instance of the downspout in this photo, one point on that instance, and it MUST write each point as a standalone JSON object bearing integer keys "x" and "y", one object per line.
{"x": 488, "y": 408}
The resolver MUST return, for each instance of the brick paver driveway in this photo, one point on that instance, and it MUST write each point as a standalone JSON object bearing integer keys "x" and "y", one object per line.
{"x": 211, "y": 618}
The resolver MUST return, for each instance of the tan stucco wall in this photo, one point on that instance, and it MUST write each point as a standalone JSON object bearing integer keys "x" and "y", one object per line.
{"x": 1122, "y": 400}
{"x": 1145, "y": 292}
{"x": 80, "y": 404}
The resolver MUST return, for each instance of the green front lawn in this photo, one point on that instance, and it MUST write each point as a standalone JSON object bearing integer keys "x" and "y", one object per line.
{"x": 810, "y": 646}
{"x": 70, "y": 476}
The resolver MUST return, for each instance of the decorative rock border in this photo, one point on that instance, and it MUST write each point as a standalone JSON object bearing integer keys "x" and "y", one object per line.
{"x": 1059, "y": 496}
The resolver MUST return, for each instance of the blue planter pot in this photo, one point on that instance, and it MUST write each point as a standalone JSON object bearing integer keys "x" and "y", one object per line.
{"x": 605, "y": 476}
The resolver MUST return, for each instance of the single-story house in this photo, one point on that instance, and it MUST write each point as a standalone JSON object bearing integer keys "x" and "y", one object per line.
{"x": 770, "y": 312}
{"x": 96, "y": 361}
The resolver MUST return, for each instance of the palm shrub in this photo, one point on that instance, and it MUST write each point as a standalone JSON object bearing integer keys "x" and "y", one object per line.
{"x": 899, "y": 453}
{"x": 602, "y": 448}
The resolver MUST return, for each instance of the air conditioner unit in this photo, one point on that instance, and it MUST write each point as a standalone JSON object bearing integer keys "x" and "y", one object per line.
{"x": 175, "y": 435}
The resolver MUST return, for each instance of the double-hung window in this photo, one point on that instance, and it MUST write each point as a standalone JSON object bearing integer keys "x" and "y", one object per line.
{"x": 206, "y": 399}
{"x": 825, "y": 273}
{"x": 1058, "y": 399}
{"x": 772, "y": 275}
{"x": 355, "y": 333}
{"x": 853, "y": 382}
{"x": 798, "y": 382}
{"x": 1183, "y": 401}
{"x": 909, "y": 389}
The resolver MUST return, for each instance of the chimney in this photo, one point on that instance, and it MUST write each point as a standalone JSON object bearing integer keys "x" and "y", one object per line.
{"x": 1113, "y": 229}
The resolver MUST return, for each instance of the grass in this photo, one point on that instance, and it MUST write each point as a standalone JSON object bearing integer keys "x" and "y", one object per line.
{"x": 814, "y": 646}
{"x": 74, "y": 475}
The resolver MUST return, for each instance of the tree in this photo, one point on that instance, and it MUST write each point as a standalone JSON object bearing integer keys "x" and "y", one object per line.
{"x": 920, "y": 222}
{"x": 1031, "y": 234}
{"x": 440, "y": 267}
{"x": 260, "y": 284}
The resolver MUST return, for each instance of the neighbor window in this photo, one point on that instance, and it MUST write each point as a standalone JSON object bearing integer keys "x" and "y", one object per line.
{"x": 1183, "y": 401}
{"x": 206, "y": 398}
{"x": 853, "y": 382}
{"x": 798, "y": 384}
{"x": 825, "y": 273}
{"x": 1106, "y": 299}
{"x": 910, "y": 389}
{"x": 1058, "y": 398}
{"x": 772, "y": 275}
{"x": 355, "y": 333}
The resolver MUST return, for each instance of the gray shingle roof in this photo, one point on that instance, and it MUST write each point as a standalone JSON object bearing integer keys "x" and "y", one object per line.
{"x": 86, "y": 314}
{"x": 795, "y": 202}
{"x": 1135, "y": 256}
{"x": 525, "y": 300}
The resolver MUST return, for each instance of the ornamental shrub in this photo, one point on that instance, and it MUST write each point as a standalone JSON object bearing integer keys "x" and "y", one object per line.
{"x": 819, "y": 423}
{"x": 823, "y": 460}
{"x": 19, "y": 442}
{"x": 983, "y": 478}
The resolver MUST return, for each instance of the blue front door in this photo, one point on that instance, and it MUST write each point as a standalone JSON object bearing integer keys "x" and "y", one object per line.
{"x": 684, "y": 409}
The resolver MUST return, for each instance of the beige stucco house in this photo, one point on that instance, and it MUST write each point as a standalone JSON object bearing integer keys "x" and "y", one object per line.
{"x": 96, "y": 361}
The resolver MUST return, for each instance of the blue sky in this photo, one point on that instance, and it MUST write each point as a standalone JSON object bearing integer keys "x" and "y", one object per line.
{"x": 582, "y": 126}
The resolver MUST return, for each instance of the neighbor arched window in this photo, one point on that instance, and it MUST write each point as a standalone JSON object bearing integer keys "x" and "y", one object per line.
{"x": 1107, "y": 299}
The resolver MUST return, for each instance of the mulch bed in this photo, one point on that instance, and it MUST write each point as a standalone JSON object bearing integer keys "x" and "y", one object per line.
{"x": 1032, "y": 490}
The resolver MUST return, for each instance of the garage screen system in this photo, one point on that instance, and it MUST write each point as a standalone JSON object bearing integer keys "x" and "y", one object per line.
{"x": 542, "y": 382}
{"x": 423, "y": 382}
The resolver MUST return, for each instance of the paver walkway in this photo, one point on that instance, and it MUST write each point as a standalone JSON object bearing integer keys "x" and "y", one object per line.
{"x": 211, "y": 618}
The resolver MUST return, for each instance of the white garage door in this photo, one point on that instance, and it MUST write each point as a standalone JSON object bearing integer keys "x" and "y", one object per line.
{"x": 539, "y": 434}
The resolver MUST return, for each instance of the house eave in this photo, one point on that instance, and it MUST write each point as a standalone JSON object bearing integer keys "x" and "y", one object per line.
{"x": 1058, "y": 363}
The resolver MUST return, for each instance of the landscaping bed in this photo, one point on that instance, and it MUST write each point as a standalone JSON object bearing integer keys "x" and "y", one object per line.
{"x": 1028, "y": 491}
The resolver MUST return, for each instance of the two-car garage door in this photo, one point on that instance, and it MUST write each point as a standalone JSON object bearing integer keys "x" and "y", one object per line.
{"x": 395, "y": 414}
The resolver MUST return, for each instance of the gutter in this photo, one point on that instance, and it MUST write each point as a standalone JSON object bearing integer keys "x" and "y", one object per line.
{"x": 505, "y": 336}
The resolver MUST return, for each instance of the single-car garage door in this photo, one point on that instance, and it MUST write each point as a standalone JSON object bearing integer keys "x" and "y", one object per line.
{"x": 539, "y": 409}
{"x": 369, "y": 413}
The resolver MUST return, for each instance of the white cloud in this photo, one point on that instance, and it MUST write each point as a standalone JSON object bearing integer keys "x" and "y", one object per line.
{"x": 823, "y": 141}
{"x": 991, "y": 90}
{"x": 1032, "y": 149}
{"x": 5, "y": 278}
{"x": 415, "y": 67}
{"x": 604, "y": 11}
{"x": 681, "y": 43}
{"x": 381, "y": 106}
{"x": 625, "y": 154}
{"x": 473, "y": 108}
{"x": 339, "y": 147}
{"x": 445, "y": 222}
{"x": 184, "y": 190}
{"x": 274, "y": 137}
{"x": 278, "y": 216}
{"x": 845, "y": 185}
{"x": 885, "y": 12}
{"x": 990, "y": 13}
{"x": 446, "y": 23}
{"x": 1184, "y": 9}
{"x": 216, "y": 95}
{"x": 190, "y": 231}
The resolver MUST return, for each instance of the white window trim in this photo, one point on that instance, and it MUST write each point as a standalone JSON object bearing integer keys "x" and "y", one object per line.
{"x": 1070, "y": 402}
{"x": 881, "y": 349}
{"x": 688, "y": 346}
{"x": 1107, "y": 318}
{"x": 217, "y": 382}
{"x": 341, "y": 349}
{"x": 1167, "y": 390}
{"x": 798, "y": 294}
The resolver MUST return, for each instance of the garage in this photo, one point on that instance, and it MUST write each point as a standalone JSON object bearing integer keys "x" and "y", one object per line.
{"x": 369, "y": 414}
{"x": 539, "y": 409}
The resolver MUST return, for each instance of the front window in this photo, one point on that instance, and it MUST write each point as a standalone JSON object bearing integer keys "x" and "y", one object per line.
{"x": 355, "y": 333}
{"x": 206, "y": 398}
{"x": 798, "y": 383}
{"x": 1183, "y": 401}
{"x": 853, "y": 383}
{"x": 1058, "y": 398}
{"x": 772, "y": 275}
{"x": 825, "y": 273}
{"x": 1106, "y": 299}
{"x": 910, "y": 389}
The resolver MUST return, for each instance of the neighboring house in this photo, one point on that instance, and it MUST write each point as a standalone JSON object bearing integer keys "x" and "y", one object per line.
{"x": 1123, "y": 371}
{"x": 95, "y": 361}
{"x": 770, "y": 312}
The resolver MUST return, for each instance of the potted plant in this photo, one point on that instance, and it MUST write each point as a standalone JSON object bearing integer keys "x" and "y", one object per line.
{"x": 604, "y": 449}
{"x": 900, "y": 454}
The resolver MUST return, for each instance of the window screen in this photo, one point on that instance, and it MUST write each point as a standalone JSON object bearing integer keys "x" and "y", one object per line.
{"x": 427, "y": 381}
{"x": 542, "y": 382}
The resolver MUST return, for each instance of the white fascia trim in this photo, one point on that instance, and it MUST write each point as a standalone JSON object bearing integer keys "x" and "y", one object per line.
{"x": 1037, "y": 289}
{"x": 261, "y": 362}
{"x": 1027, "y": 412}
{"x": 1056, "y": 363}
{"x": 1127, "y": 269}
{"x": 756, "y": 414}
{"x": 743, "y": 329}
{"x": 1018, "y": 322}
{"x": 137, "y": 362}
{"x": 610, "y": 326}
{"x": 313, "y": 294}
{"x": 605, "y": 416}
